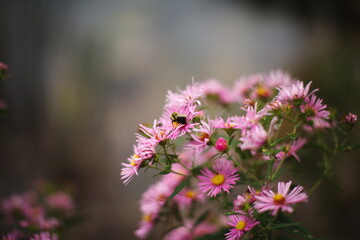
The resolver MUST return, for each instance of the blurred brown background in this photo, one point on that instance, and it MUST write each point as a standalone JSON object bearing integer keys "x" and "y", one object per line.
{"x": 85, "y": 73}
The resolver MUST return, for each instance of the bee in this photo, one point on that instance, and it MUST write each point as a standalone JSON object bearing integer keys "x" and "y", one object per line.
{"x": 177, "y": 118}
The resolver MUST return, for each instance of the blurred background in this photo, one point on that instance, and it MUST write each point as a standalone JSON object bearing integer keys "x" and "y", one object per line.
{"x": 85, "y": 73}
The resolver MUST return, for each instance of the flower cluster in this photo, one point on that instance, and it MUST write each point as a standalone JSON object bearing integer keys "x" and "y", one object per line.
{"x": 37, "y": 214}
{"x": 204, "y": 157}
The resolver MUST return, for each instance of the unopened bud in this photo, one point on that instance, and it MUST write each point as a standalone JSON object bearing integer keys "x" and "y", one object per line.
{"x": 221, "y": 144}
{"x": 350, "y": 118}
{"x": 3, "y": 70}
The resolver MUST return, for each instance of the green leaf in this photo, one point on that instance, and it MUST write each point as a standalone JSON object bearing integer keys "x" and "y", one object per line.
{"x": 162, "y": 173}
{"x": 297, "y": 229}
{"x": 270, "y": 164}
{"x": 179, "y": 188}
{"x": 220, "y": 235}
{"x": 352, "y": 147}
{"x": 284, "y": 225}
{"x": 231, "y": 213}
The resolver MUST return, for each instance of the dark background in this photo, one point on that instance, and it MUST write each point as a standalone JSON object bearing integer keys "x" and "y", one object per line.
{"x": 85, "y": 73}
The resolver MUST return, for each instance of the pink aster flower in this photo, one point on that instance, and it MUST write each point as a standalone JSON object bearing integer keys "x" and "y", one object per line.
{"x": 250, "y": 120}
{"x": 41, "y": 222}
{"x": 201, "y": 139}
{"x": 220, "y": 123}
{"x": 278, "y": 78}
{"x": 21, "y": 204}
{"x": 244, "y": 87}
{"x": 261, "y": 86}
{"x": 187, "y": 97}
{"x": 146, "y": 146}
{"x": 179, "y": 233}
{"x": 295, "y": 92}
{"x": 222, "y": 178}
{"x": 270, "y": 201}
{"x": 145, "y": 226}
{"x": 253, "y": 139}
{"x": 240, "y": 224}
{"x": 45, "y": 236}
{"x": 189, "y": 232}
{"x": 61, "y": 201}
{"x": 242, "y": 203}
{"x": 156, "y": 132}
{"x": 3, "y": 66}
{"x": 155, "y": 197}
{"x": 222, "y": 94}
{"x": 187, "y": 196}
{"x": 144, "y": 150}
{"x": 315, "y": 112}
{"x": 178, "y": 119}
{"x": 252, "y": 117}
{"x": 292, "y": 149}
{"x": 130, "y": 169}
{"x": 13, "y": 235}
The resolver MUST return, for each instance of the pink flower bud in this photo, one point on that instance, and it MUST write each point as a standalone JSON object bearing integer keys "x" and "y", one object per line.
{"x": 221, "y": 144}
{"x": 350, "y": 118}
{"x": 3, "y": 70}
{"x": 3, "y": 66}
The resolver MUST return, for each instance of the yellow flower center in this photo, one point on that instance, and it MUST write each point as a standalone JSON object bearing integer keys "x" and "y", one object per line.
{"x": 160, "y": 135}
{"x": 146, "y": 218}
{"x": 309, "y": 110}
{"x": 218, "y": 179}
{"x": 229, "y": 125}
{"x": 261, "y": 91}
{"x": 203, "y": 136}
{"x": 132, "y": 161}
{"x": 190, "y": 194}
{"x": 161, "y": 197}
{"x": 241, "y": 225}
{"x": 279, "y": 199}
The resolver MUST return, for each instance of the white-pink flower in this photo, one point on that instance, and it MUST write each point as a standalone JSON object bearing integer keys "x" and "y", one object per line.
{"x": 315, "y": 112}
{"x": 222, "y": 93}
{"x": 253, "y": 139}
{"x": 294, "y": 92}
{"x": 201, "y": 139}
{"x": 282, "y": 200}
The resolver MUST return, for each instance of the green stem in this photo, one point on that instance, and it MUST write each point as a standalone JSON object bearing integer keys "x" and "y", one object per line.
{"x": 278, "y": 140}
{"x": 167, "y": 170}
{"x": 278, "y": 168}
{"x": 315, "y": 186}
